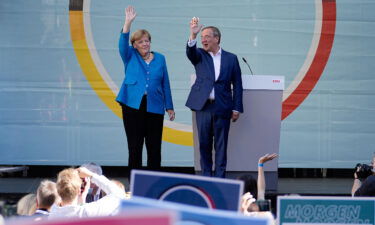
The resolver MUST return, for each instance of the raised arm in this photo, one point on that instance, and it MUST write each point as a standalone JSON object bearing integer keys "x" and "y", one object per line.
{"x": 191, "y": 49}
{"x": 130, "y": 15}
{"x": 261, "y": 179}
{"x": 101, "y": 181}
{"x": 123, "y": 45}
{"x": 195, "y": 28}
{"x": 109, "y": 204}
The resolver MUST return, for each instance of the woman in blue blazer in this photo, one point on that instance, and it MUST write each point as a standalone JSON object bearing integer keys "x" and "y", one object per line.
{"x": 144, "y": 96}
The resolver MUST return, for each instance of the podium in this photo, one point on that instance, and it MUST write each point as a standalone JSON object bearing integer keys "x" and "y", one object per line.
{"x": 256, "y": 132}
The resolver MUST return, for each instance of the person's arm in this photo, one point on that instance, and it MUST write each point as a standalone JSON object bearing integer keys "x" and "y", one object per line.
{"x": 191, "y": 48}
{"x": 101, "y": 181}
{"x": 195, "y": 28}
{"x": 130, "y": 15}
{"x": 123, "y": 45}
{"x": 261, "y": 179}
{"x": 82, "y": 196}
{"x": 237, "y": 91}
{"x": 109, "y": 204}
{"x": 356, "y": 183}
{"x": 167, "y": 92}
{"x": 237, "y": 86}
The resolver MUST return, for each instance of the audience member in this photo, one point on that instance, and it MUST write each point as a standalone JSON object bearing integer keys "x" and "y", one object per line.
{"x": 26, "y": 206}
{"x": 94, "y": 192}
{"x": 364, "y": 180}
{"x": 46, "y": 196}
{"x": 261, "y": 184}
{"x": 73, "y": 190}
{"x": 256, "y": 189}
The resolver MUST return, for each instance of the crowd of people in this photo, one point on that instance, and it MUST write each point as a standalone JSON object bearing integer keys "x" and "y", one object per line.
{"x": 77, "y": 192}
{"x": 86, "y": 192}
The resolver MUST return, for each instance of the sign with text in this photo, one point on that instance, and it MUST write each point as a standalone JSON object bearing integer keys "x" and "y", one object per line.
{"x": 207, "y": 192}
{"x": 325, "y": 210}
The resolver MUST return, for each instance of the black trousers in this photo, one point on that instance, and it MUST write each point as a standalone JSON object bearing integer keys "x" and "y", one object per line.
{"x": 142, "y": 126}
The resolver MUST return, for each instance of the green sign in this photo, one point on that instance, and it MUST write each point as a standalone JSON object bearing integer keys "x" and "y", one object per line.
{"x": 325, "y": 210}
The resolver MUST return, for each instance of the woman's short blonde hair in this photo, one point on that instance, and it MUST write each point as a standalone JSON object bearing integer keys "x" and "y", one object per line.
{"x": 139, "y": 34}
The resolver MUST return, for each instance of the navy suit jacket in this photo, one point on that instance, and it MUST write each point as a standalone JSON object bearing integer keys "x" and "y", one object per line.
{"x": 226, "y": 99}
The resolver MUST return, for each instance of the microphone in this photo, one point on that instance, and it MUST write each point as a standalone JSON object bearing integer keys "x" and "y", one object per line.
{"x": 247, "y": 65}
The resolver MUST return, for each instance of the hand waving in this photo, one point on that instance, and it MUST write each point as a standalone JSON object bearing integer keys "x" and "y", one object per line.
{"x": 195, "y": 27}
{"x": 267, "y": 157}
{"x": 130, "y": 14}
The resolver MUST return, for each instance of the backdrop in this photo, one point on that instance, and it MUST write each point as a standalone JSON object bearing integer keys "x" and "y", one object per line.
{"x": 60, "y": 71}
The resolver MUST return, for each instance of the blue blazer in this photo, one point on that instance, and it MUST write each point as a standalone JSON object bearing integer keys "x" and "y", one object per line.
{"x": 226, "y": 100}
{"x": 141, "y": 78}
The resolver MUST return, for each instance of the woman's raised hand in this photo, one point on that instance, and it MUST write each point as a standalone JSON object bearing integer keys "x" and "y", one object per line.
{"x": 130, "y": 14}
{"x": 267, "y": 157}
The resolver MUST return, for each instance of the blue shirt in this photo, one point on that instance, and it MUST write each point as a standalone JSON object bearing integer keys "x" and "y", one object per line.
{"x": 141, "y": 78}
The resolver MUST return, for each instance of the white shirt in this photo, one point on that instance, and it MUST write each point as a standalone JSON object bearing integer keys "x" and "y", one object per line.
{"x": 217, "y": 63}
{"x": 106, "y": 206}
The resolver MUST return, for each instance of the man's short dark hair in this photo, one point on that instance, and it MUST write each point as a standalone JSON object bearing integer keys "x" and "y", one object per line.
{"x": 215, "y": 31}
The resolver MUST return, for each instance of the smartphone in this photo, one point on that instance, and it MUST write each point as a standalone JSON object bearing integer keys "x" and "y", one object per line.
{"x": 264, "y": 205}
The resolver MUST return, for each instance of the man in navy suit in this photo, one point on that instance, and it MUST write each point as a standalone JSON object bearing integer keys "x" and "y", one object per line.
{"x": 212, "y": 97}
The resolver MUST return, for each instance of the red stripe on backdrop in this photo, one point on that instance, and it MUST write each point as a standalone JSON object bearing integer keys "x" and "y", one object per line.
{"x": 319, "y": 62}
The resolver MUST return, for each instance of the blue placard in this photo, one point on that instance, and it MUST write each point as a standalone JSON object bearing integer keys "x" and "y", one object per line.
{"x": 194, "y": 215}
{"x": 207, "y": 192}
{"x": 325, "y": 210}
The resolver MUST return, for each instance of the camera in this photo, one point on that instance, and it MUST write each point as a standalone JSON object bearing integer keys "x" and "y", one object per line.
{"x": 363, "y": 170}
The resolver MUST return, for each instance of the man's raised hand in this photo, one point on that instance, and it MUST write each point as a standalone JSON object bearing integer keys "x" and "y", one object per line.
{"x": 195, "y": 28}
